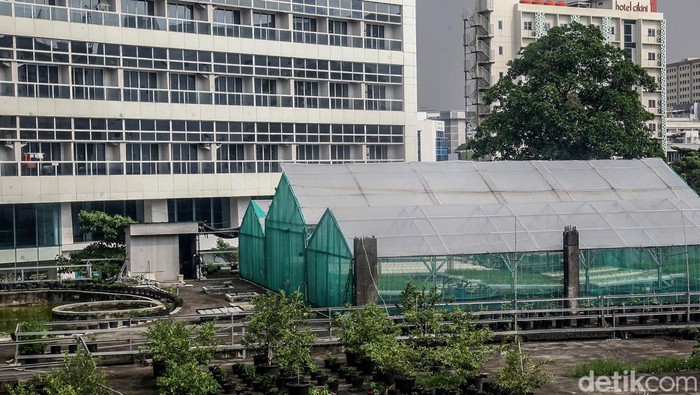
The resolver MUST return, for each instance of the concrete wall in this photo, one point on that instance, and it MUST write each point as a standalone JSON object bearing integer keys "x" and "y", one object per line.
{"x": 154, "y": 257}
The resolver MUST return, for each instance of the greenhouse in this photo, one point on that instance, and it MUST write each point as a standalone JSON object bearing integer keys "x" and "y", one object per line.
{"x": 477, "y": 230}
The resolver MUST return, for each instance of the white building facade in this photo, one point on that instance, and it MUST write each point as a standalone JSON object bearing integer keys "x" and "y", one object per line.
{"x": 496, "y": 30}
{"x": 176, "y": 110}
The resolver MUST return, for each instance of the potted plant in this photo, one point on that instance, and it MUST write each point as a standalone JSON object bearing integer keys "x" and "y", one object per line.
{"x": 520, "y": 375}
{"x": 33, "y": 348}
{"x": 274, "y": 315}
{"x": 169, "y": 341}
{"x": 293, "y": 355}
{"x": 395, "y": 359}
{"x": 360, "y": 326}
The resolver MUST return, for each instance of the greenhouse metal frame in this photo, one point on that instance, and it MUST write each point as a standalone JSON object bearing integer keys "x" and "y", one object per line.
{"x": 481, "y": 231}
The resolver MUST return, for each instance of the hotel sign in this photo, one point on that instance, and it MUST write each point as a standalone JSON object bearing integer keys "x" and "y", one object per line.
{"x": 632, "y": 7}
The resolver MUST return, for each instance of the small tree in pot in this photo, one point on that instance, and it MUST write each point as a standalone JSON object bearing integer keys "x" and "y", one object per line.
{"x": 274, "y": 315}
{"x": 293, "y": 354}
{"x": 361, "y": 326}
{"x": 170, "y": 342}
{"x": 395, "y": 359}
{"x": 520, "y": 375}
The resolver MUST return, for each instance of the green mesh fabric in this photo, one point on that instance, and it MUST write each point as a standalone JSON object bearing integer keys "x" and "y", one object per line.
{"x": 329, "y": 260}
{"x": 285, "y": 242}
{"x": 492, "y": 277}
{"x": 251, "y": 243}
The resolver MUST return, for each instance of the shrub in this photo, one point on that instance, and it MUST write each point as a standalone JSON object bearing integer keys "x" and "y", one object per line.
{"x": 78, "y": 375}
{"x": 187, "y": 379}
{"x": 35, "y": 325}
{"x": 178, "y": 342}
{"x": 600, "y": 367}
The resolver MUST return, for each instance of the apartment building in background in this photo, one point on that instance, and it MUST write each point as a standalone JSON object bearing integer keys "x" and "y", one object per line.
{"x": 496, "y": 30}
{"x": 683, "y": 83}
{"x": 177, "y": 110}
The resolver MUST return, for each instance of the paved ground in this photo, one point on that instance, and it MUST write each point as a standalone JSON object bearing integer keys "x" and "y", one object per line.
{"x": 138, "y": 380}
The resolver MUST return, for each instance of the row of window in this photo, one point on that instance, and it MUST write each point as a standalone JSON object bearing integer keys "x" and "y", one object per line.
{"x": 227, "y": 23}
{"x": 147, "y": 159}
{"x": 144, "y": 57}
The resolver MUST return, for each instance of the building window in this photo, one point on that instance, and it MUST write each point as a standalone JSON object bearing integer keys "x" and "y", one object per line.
{"x": 500, "y": 27}
{"x": 230, "y": 17}
{"x": 337, "y": 27}
{"x": 84, "y": 80}
{"x": 304, "y": 24}
{"x": 651, "y": 56}
{"x": 267, "y": 156}
{"x": 500, "y": 50}
{"x": 140, "y": 79}
{"x": 180, "y": 11}
{"x": 263, "y": 20}
{"x": 376, "y": 92}
{"x": 547, "y": 26}
{"x": 374, "y": 31}
{"x": 184, "y": 157}
{"x": 306, "y": 94}
{"x": 527, "y": 25}
{"x": 265, "y": 90}
{"x": 138, "y": 7}
{"x": 341, "y": 152}
{"x": 265, "y": 86}
{"x": 38, "y": 73}
{"x": 652, "y": 103}
{"x": 308, "y": 153}
{"x": 377, "y": 152}
{"x": 230, "y": 158}
{"x": 651, "y": 32}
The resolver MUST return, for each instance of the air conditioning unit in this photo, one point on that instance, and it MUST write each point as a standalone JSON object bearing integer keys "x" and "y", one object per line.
{"x": 103, "y": 7}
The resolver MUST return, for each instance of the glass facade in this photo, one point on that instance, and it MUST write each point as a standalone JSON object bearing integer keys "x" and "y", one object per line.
{"x": 30, "y": 225}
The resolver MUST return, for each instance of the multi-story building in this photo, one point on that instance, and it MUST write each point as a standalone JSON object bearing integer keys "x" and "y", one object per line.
{"x": 683, "y": 82}
{"x": 449, "y": 131}
{"x": 496, "y": 30}
{"x": 177, "y": 110}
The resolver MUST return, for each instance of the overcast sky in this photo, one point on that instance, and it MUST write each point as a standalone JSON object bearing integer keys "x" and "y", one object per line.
{"x": 441, "y": 56}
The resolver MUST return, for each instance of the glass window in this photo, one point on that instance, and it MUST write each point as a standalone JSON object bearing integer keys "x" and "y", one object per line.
{"x": 228, "y": 16}
{"x": 180, "y": 11}
{"x": 337, "y": 27}
{"x": 263, "y": 20}
{"x": 7, "y": 226}
{"x": 139, "y": 7}
{"x": 266, "y": 86}
{"x": 25, "y": 217}
{"x": 304, "y": 24}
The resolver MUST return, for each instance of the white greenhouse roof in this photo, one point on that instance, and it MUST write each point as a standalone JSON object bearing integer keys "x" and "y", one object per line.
{"x": 459, "y": 207}
{"x": 318, "y": 187}
{"x": 522, "y": 227}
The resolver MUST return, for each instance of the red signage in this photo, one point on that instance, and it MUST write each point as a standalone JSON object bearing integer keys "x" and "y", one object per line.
{"x": 631, "y": 6}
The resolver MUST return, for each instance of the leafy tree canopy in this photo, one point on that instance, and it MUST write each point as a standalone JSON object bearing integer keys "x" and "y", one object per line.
{"x": 688, "y": 167}
{"x": 569, "y": 96}
{"x": 111, "y": 230}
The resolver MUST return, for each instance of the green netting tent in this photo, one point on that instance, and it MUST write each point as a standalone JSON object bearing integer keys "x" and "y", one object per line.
{"x": 251, "y": 242}
{"x": 484, "y": 230}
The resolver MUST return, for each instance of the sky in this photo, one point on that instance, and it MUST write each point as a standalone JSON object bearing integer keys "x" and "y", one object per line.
{"x": 441, "y": 56}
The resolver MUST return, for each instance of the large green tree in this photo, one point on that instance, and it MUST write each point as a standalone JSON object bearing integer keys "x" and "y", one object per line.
{"x": 688, "y": 167}
{"x": 568, "y": 96}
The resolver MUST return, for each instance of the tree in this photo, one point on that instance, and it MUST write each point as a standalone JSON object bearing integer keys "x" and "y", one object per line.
{"x": 520, "y": 374}
{"x": 112, "y": 246}
{"x": 187, "y": 379}
{"x": 688, "y": 167}
{"x": 77, "y": 375}
{"x": 569, "y": 96}
{"x": 226, "y": 251}
{"x": 275, "y": 314}
{"x": 181, "y": 343}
